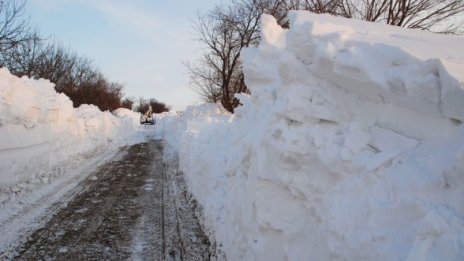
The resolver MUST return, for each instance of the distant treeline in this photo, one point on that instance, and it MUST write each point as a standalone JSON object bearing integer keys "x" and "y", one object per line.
{"x": 141, "y": 105}
{"x": 25, "y": 53}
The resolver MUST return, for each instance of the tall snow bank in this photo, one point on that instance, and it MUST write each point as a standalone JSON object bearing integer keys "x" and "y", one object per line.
{"x": 40, "y": 132}
{"x": 351, "y": 146}
{"x": 176, "y": 128}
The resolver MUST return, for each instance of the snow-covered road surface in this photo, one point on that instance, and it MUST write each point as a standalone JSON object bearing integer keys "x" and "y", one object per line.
{"x": 134, "y": 207}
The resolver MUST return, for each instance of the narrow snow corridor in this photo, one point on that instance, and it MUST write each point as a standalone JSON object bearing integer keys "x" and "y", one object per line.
{"x": 130, "y": 208}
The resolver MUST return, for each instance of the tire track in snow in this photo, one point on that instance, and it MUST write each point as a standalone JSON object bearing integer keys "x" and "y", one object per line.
{"x": 131, "y": 211}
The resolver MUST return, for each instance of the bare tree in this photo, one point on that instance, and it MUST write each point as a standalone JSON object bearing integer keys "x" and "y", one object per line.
{"x": 430, "y": 15}
{"x": 226, "y": 30}
{"x": 157, "y": 107}
{"x": 128, "y": 103}
{"x": 14, "y": 28}
{"x": 333, "y": 7}
{"x": 65, "y": 68}
{"x": 26, "y": 54}
{"x": 72, "y": 74}
{"x": 441, "y": 16}
{"x": 99, "y": 91}
{"x": 23, "y": 58}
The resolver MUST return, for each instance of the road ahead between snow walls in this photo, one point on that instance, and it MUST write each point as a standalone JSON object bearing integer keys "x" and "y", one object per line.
{"x": 133, "y": 207}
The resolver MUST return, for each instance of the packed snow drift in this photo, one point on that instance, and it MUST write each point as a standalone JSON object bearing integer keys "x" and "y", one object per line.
{"x": 40, "y": 129}
{"x": 45, "y": 143}
{"x": 350, "y": 147}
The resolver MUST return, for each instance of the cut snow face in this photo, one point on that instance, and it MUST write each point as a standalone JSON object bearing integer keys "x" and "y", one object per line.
{"x": 351, "y": 146}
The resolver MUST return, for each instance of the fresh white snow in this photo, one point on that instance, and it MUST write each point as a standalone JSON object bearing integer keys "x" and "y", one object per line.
{"x": 350, "y": 147}
{"x": 46, "y": 147}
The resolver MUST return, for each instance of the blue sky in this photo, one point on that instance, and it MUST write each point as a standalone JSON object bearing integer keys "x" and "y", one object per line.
{"x": 139, "y": 43}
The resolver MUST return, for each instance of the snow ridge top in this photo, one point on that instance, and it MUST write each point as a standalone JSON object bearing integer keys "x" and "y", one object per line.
{"x": 415, "y": 69}
{"x": 350, "y": 146}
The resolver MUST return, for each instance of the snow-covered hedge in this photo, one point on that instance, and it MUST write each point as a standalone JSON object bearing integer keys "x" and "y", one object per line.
{"x": 351, "y": 146}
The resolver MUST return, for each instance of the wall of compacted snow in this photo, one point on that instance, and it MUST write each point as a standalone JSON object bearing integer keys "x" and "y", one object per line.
{"x": 41, "y": 133}
{"x": 350, "y": 147}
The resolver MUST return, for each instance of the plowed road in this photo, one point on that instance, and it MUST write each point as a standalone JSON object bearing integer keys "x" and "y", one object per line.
{"x": 133, "y": 208}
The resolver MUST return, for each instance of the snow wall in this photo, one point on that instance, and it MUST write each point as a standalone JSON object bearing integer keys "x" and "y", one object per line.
{"x": 41, "y": 134}
{"x": 351, "y": 146}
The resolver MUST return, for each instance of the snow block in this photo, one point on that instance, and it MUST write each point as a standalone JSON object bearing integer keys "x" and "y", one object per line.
{"x": 350, "y": 146}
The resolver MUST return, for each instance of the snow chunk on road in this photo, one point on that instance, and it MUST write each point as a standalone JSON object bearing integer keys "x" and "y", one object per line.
{"x": 349, "y": 147}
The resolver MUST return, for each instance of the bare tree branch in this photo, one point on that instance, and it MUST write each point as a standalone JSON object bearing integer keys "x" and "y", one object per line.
{"x": 226, "y": 30}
